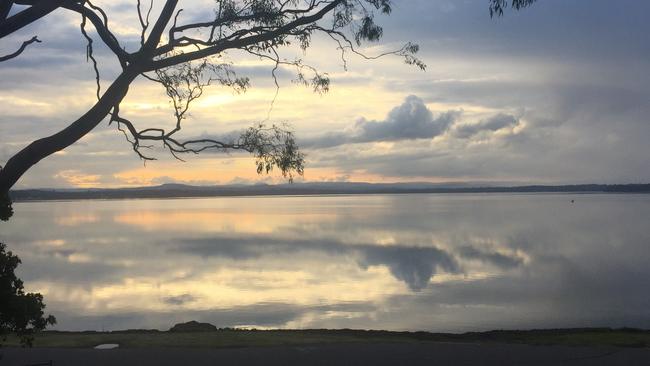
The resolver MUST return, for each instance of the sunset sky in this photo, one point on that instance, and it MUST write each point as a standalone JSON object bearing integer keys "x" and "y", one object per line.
{"x": 556, "y": 93}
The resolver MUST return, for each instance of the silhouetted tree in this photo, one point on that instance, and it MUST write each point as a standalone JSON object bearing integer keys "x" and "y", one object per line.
{"x": 185, "y": 57}
{"x": 20, "y": 313}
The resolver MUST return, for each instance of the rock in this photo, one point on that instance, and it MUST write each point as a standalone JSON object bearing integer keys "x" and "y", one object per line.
{"x": 107, "y": 346}
{"x": 193, "y": 326}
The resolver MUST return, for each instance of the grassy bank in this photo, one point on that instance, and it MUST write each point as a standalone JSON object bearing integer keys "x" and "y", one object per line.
{"x": 254, "y": 338}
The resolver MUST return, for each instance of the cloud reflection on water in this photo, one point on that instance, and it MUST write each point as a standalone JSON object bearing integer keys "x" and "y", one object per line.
{"x": 463, "y": 262}
{"x": 413, "y": 265}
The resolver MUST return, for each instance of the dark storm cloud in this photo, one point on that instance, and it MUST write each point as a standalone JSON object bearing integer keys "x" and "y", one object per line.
{"x": 574, "y": 134}
{"x": 410, "y": 121}
{"x": 412, "y": 265}
{"x": 553, "y": 29}
{"x": 575, "y": 71}
{"x": 494, "y": 123}
{"x": 179, "y": 300}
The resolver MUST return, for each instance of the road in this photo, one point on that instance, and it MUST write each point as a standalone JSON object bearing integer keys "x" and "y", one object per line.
{"x": 411, "y": 354}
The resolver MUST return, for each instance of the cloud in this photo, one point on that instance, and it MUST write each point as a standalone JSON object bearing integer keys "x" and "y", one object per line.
{"x": 179, "y": 300}
{"x": 494, "y": 123}
{"x": 77, "y": 178}
{"x": 272, "y": 315}
{"x": 410, "y": 121}
{"x": 583, "y": 102}
{"x": 500, "y": 260}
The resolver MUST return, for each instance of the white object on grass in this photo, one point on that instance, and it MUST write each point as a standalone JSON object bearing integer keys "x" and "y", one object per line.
{"x": 107, "y": 346}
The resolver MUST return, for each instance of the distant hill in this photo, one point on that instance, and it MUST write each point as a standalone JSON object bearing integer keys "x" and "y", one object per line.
{"x": 193, "y": 327}
{"x": 186, "y": 191}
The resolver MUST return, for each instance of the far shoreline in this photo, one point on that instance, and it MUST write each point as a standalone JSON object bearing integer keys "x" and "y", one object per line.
{"x": 175, "y": 191}
{"x": 234, "y": 337}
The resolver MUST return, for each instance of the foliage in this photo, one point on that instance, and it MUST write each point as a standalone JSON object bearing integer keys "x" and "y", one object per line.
{"x": 274, "y": 147}
{"x": 192, "y": 327}
{"x": 20, "y": 313}
{"x": 497, "y": 7}
{"x": 6, "y": 210}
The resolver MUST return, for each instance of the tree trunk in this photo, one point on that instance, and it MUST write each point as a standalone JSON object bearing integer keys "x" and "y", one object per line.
{"x": 18, "y": 164}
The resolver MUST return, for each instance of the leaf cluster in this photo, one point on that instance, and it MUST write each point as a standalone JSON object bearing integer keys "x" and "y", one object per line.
{"x": 6, "y": 211}
{"x": 20, "y": 313}
{"x": 274, "y": 147}
{"x": 497, "y": 7}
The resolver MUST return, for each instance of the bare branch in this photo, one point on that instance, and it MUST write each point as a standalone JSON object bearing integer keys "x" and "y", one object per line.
{"x": 144, "y": 21}
{"x": 273, "y": 147}
{"x": 183, "y": 84}
{"x": 407, "y": 51}
{"x": 158, "y": 28}
{"x": 135, "y": 143}
{"x": 89, "y": 54}
{"x": 101, "y": 26}
{"x": 20, "y": 50}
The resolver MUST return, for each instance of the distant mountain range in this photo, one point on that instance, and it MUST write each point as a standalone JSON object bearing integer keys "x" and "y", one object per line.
{"x": 184, "y": 191}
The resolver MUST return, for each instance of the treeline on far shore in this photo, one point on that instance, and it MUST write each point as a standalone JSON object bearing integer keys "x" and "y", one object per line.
{"x": 183, "y": 191}
{"x": 207, "y": 336}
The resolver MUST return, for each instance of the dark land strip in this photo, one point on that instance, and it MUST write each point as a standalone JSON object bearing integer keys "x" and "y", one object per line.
{"x": 303, "y": 189}
{"x": 379, "y": 354}
{"x": 593, "y": 346}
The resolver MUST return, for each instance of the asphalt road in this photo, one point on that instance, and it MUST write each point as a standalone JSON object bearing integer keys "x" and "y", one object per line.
{"x": 336, "y": 354}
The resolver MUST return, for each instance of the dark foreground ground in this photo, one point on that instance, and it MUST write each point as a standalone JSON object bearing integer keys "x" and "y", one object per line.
{"x": 415, "y": 353}
{"x": 238, "y": 338}
{"x": 600, "y": 346}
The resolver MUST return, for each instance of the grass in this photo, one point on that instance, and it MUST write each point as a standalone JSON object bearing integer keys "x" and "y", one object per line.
{"x": 225, "y": 338}
{"x": 625, "y": 337}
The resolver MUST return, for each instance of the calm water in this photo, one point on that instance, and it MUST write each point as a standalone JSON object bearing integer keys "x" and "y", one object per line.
{"x": 402, "y": 262}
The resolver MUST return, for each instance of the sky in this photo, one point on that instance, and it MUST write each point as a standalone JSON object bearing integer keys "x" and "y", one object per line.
{"x": 557, "y": 93}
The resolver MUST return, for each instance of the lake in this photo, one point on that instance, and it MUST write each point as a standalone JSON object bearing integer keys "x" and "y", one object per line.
{"x": 436, "y": 262}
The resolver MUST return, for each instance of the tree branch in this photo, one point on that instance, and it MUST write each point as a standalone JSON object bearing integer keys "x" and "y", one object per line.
{"x": 243, "y": 42}
{"x": 156, "y": 32}
{"x": 22, "y": 19}
{"x": 259, "y": 27}
{"x": 18, "y": 164}
{"x": 101, "y": 26}
{"x": 5, "y": 8}
{"x": 20, "y": 50}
